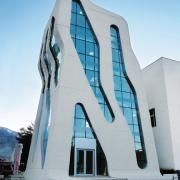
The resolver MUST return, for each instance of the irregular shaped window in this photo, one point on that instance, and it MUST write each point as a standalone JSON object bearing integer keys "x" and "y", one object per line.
{"x": 40, "y": 108}
{"x": 46, "y": 103}
{"x": 47, "y": 123}
{"x": 55, "y": 50}
{"x": 83, "y": 129}
{"x": 126, "y": 97}
{"x": 87, "y": 48}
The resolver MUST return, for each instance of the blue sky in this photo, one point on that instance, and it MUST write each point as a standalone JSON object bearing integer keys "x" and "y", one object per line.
{"x": 154, "y": 31}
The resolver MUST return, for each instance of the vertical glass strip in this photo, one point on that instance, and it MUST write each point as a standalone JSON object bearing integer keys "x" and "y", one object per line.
{"x": 47, "y": 122}
{"x": 126, "y": 97}
{"x": 87, "y": 48}
{"x": 55, "y": 50}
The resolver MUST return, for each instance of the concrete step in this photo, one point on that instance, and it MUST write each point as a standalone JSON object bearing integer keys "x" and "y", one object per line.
{"x": 19, "y": 177}
{"x": 100, "y": 178}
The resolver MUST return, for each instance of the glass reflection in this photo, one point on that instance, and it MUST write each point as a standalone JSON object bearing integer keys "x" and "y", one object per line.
{"x": 126, "y": 98}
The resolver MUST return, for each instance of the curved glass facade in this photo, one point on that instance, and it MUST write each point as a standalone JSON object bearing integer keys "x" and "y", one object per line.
{"x": 126, "y": 97}
{"x": 47, "y": 103}
{"x": 81, "y": 124}
{"x": 55, "y": 50}
{"x": 88, "y": 50}
{"x": 83, "y": 129}
{"x": 40, "y": 108}
{"x": 47, "y": 123}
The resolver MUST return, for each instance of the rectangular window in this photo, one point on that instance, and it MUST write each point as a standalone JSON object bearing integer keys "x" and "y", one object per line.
{"x": 80, "y": 21}
{"x": 153, "y": 117}
{"x": 80, "y": 33}
{"x": 80, "y": 46}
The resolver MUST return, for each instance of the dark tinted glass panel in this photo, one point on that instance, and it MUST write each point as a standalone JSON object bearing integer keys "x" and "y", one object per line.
{"x": 80, "y": 162}
{"x": 88, "y": 50}
{"x": 89, "y": 162}
{"x": 126, "y": 97}
{"x": 153, "y": 117}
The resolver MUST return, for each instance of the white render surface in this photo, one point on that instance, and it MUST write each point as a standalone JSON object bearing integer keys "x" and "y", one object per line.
{"x": 116, "y": 139}
{"x": 162, "y": 83}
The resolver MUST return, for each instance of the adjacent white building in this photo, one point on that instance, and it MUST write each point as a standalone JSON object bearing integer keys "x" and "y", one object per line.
{"x": 93, "y": 117}
{"x": 162, "y": 83}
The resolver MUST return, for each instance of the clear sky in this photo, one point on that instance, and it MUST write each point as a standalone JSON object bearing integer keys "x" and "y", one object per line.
{"x": 154, "y": 27}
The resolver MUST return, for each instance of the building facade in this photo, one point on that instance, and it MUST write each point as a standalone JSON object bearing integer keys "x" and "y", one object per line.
{"x": 93, "y": 118}
{"x": 165, "y": 100}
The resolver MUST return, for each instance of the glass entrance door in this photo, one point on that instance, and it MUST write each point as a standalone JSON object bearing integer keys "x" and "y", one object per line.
{"x": 80, "y": 162}
{"x": 85, "y": 162}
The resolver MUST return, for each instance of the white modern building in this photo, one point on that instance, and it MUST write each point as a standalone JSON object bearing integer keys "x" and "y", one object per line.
{"x": 162, "y": 83}
{"x": 93, "y": 118}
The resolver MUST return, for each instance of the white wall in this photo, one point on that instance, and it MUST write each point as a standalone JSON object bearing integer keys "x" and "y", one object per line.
{"x": 116, "y": 139}
{"x": 172, "y": 79}
{"x": 162, "y": 83}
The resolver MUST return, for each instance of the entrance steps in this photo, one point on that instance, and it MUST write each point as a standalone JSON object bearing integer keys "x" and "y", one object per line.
{"x": 99, "y": 178}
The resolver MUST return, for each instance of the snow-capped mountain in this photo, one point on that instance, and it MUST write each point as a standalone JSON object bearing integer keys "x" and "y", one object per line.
{"x": 7, "y": 132}
{"x": 8, "y": 141}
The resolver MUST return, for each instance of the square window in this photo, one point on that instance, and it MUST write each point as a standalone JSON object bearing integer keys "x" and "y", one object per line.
{"x": 90, "y": 62}
{"x": 133, "y": 101}
{"x": 89, "y": 35}
{"x": 96, "y": 64}
{"x": 83, "y": 60}
{"x": 87, "y": 25}
{"x": 80, "y": 33}
{"x": 114, "y": 43}
{"x": 123, "y": 72}
{"x": 131, "y": 128}
{"x": 89, "y": 133}
{"x": 96, "y": 50}
{"x": 137, "y": 139}
{"x": 74, "y": 7}
{"x": 125, "y": 85}
{"x": 89, "y": 59}
{"x": 90, "y": 76}
{"x": 115, "y": 55}
{"x": 102, "y": 107}
{"x": 126, "y": 99}
{"x": 118, "y": 95}
{"x": 90, "y": 48}
{"x": 80, "y": 45}
{"x": 114, "y": 32}
{"x": 116, "y": 69}
{"x": 73, "y": 18}
{"x": 81, "y": 20}
{"x": 128, "y": 115}
{"x": 136, "y": 130}
{"x": 79, "y": 9}
{"x": 138, "y": 146}
{"x": 79, "y": 112}
{"x": 73, "y": 31}
{"x": 80, "y": 127}
{"x": 96, "y": 79}
{"x": 135, "y": 118}
{"x": 117, "y": 83}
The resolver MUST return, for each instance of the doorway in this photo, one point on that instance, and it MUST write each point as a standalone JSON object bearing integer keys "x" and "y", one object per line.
{"x": 85, "y": 162}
